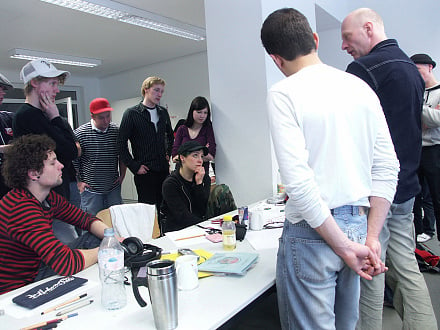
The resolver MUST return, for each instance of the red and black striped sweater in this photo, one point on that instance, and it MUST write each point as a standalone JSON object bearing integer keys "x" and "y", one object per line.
{"x": 26, "y": 237}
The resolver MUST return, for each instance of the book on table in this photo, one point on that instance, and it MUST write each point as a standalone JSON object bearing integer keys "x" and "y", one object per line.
{"x": 229, "y": 263}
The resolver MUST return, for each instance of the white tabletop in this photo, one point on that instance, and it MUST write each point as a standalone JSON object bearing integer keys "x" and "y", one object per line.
{"x": 215, "y": 301}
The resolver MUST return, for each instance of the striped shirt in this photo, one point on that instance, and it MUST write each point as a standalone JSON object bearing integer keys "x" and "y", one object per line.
{"x": 98, "y": 164}
{"x": 27, "y": 238}
{"x": 149, "y": 146}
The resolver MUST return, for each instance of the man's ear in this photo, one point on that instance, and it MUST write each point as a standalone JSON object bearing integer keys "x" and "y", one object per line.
{"x": 316, "y": 38}
{"x": 34, "y": 83}
{"x": 368, "y": 26}
{"x": 33, "y": 175}
{"x": 278, "y": 60}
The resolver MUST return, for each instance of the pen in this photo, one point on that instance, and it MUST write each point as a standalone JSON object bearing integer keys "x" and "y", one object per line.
{"x": 182, "y": 238}
{"x": 72, "y": 308}
{"x": 47, "y": 327}
{"x": 45, "y": 323}
{"x": 71, "y": 304}
{"x": 64, "y": 304}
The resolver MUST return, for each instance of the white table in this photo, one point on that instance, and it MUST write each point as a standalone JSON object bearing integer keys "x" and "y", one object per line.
{"x": 215, "y": 301}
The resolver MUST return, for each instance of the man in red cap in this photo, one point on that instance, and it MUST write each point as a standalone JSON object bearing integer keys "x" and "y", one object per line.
{"x": 99, "y": 170}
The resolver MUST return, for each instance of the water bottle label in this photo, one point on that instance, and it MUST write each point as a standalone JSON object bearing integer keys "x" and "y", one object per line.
{"x": 111, "y": 261}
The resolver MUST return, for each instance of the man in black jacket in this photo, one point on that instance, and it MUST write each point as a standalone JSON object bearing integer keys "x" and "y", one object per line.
{"x": 393, "y": 76}
{"x": 148, "y": 128}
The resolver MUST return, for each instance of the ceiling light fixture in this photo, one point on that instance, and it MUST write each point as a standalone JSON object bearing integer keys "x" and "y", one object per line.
{"x": 135, "y": 16}
{"x": 26, "y": 54}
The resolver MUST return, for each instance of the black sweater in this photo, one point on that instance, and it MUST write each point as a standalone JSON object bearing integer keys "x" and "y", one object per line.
{"x": 399, "y": 86}
{"x": 184, "y": 203}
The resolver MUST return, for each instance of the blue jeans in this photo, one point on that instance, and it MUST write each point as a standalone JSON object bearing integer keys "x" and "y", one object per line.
{"x": 92, "y": 203}
{"x": 315, "y": 288}
{"x": 411, "y": 296}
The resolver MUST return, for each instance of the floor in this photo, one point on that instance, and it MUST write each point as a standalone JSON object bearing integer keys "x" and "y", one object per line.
{"x": 263, "y": 313}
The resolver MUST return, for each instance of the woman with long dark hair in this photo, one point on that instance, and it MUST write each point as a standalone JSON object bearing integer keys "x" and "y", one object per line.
{"x": 197, "y": 127}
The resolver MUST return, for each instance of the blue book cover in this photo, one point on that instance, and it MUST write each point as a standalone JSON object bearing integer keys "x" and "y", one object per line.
{"x": 236, "y": 263}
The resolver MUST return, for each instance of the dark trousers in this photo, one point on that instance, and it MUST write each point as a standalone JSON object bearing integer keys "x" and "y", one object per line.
{"x": 149, "y": 187}
{"x": 424, "y": 222}
{"x": 430, "y": 169}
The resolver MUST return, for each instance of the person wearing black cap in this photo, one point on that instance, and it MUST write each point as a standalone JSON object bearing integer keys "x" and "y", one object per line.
{"x": 429, "y": 170}
{"x": 186, "y": 190}
{"x": 6, "y": 118}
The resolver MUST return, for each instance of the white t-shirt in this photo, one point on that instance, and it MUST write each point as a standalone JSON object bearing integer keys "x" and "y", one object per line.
{"x": 154, "y": 116}
{"x": 331, "y": 141}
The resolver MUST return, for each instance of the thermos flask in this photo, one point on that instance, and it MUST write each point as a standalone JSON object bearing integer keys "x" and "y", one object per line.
{"x": 162, "y": 285}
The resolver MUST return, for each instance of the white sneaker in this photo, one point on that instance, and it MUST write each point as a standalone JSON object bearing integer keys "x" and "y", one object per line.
{"x": 423, "y": 238}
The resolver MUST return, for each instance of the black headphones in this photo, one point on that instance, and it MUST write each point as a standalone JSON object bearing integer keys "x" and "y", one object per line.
{"x": 138, "y": 254}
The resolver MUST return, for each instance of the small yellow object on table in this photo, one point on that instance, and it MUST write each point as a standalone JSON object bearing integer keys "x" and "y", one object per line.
{"x": 204, "y": 255}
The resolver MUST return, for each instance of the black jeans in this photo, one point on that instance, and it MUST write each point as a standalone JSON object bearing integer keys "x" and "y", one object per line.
{"x": 424, "y": 223}
{"x": 430, "y": 169}
{"x": 149, "y": 187}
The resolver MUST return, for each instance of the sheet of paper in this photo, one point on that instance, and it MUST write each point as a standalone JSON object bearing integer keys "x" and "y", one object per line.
{"x": 187, "y": 236}
{"x": 264, "y": 239}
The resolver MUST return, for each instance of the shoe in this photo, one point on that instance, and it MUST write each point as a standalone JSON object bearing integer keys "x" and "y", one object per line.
{"x": 421, "y": 238}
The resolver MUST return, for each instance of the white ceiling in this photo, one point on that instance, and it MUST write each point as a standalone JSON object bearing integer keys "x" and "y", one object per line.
{"x": 36, "y": 25}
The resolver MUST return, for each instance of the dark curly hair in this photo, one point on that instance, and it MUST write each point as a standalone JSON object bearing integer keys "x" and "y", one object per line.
{"x": 25, "y": 153}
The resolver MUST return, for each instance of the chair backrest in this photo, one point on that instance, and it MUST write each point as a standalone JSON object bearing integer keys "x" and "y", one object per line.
{"x": 133, "y": 224}
{"x": 220, "y": 201}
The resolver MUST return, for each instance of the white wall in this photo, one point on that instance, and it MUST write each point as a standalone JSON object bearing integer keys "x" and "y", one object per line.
{"x": 186, "y": 77}
{"x": 413, "y": 23}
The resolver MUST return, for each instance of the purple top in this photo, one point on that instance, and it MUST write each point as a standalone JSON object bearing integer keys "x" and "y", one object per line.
{"x": 205, "y": 136}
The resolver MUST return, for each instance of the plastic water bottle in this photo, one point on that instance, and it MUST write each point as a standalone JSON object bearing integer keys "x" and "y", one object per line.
{"x": 228, "y": 233}
{"x": 111, "y": 271}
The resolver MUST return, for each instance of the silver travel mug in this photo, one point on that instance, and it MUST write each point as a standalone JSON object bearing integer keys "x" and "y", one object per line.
{"x": 162, "y": 284}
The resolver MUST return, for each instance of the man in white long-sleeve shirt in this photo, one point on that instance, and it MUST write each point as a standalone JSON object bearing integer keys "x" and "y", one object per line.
{"x": 336, "y": 160}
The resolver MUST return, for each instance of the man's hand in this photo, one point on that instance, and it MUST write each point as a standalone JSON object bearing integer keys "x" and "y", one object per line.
{"x": 120, "y": 179}
{"x": 48, "y": 106}
{"x": 142, "y": 170}
{"x": 199, "y": 174}
{"x": 82, "y": 186}
{"x": 357, "y": 257}
{"x": 376, "y": 264}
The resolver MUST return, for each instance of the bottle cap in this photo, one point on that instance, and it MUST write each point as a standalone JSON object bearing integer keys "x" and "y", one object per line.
{"x": 227, "y": 218}
{"x": 109, "y": 232}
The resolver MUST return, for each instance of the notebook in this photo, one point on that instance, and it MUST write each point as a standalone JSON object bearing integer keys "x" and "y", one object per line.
{"x": 229, "y": 263}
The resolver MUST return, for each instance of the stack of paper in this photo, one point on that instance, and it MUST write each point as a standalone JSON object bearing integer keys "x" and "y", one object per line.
{"x": 232, "y": 263}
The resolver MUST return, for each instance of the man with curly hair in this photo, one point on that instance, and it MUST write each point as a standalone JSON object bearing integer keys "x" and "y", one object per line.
{"x": 29, "y": 250}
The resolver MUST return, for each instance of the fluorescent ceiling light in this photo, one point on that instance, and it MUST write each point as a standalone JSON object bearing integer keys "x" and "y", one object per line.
{"x": 26, "y": 54}
{"x": 135, "y": 16}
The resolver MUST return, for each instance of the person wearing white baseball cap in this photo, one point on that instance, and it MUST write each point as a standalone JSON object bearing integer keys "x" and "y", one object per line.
{"x": 40, "y": 115}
